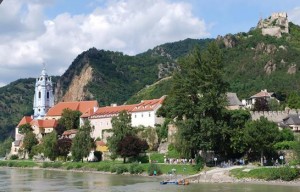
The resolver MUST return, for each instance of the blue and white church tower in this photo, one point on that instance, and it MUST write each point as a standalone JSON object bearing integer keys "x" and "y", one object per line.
{"x": 43, "y": 96}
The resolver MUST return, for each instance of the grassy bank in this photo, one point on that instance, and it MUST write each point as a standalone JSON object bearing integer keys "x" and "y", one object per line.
{"x": 284, "y": 173}
{"x": 104, "y": 166}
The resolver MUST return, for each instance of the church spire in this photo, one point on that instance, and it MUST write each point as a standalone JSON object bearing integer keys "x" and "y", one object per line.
{"x": 43, "y": 97}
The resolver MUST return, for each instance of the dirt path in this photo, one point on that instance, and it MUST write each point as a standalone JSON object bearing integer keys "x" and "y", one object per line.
{"x": 217, "y": 175}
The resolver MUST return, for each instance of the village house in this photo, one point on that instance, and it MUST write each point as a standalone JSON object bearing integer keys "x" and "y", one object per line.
{"x": 263, "y": 94}
{"x": 233, "y": 102}
{"x": 292, "y": 121}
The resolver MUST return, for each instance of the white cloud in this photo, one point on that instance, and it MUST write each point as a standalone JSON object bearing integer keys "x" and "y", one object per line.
{"x": 132, "y": 26}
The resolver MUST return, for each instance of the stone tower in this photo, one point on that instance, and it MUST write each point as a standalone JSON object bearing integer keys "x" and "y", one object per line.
{"x": 43, "y": 96}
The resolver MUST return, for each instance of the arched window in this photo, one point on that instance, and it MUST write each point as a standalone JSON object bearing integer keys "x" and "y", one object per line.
{"x": 40, "y": 94}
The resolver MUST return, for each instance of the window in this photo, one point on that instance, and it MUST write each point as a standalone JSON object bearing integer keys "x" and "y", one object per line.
{"x": 40, "y": 94}
{"x": 149, "y": 114}
{"x": 47, "y": 94}
{"x": 142, "y": 115}
{"x": 134, "y": 116}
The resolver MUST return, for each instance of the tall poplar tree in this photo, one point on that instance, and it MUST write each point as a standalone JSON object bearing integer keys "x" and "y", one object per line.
{"x": 121, "y": 126}
{"x": 197, "y": 100}
{"x": 82, "y": 142}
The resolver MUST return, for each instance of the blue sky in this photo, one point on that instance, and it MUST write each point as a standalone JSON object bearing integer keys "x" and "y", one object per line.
{"x": 54, "y": 32}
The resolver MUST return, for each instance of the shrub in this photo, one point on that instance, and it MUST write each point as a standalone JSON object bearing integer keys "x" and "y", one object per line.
{"x": 154, "y": 167}
{"x": 199, "y": 163}
{"x": 285, "y": 145}
{"x": 136, "y": 168}
{"x": 105, "y": 168}
{"x": 157, "y": 157}
{"x": 142, "y": 159}
{"x": 121, "y": 169}
{"x": 113, "y": 169}
{"x": 14, "y": 157}
{"x": 287, "y": 173}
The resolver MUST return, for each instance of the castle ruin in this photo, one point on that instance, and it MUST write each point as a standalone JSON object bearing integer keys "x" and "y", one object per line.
{"x": 275, "y": 25}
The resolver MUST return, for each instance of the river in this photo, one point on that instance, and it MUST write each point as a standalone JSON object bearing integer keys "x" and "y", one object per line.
{"x": 36, "y": 180}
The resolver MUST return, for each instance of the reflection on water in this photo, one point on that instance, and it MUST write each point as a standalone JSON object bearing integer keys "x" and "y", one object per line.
{"x": 12, "y": 179}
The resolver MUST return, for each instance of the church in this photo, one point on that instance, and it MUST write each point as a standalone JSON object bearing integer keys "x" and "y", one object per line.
{"x": 46, "y": 114}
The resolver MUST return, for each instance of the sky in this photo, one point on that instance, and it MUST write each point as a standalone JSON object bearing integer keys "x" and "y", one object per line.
{"x": 54, "y": 32}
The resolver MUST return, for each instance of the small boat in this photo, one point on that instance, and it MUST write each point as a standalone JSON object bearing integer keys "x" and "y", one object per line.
{"x": 168, "y": 182}
{"x": 183, "y": 182}
{"x": 179, "y": 182}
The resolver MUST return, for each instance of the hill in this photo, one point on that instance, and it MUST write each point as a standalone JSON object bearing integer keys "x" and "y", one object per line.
{"x": 15, "y": 101}
{"x": 252, "y": 62}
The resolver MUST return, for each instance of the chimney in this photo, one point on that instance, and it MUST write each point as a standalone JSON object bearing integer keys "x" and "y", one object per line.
{"x": 95, "y": 109}
{"x": 113, "y": 105}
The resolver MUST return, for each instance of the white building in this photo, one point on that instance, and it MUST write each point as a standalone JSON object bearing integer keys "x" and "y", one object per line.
{"x": 145, "y": 113}
{"x": 43, "y": 96}
{"x": 142, "y": 114}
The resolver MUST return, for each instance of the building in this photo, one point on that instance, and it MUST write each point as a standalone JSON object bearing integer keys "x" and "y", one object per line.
{"x": 43, "y": 96}
{"x": 233, "y": 102}
{"x": 145, "y": 113}
{"x": 292, "y": 121}
{"x": 42, "y": 127}
{"x": 263, "y": 94}
{"x": 83, "y": 106}
{"x": 142, "y": 114}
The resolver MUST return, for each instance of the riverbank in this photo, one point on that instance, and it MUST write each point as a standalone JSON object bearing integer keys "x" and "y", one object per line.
{"x": 214, "y": 175}
{"x": 223, "y": 175}
{"x": 117, "y": 167}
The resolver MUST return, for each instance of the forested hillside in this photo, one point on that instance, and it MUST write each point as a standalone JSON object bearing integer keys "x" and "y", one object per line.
{"x": 251, "y": 62}
{"x": 15, "y": 101}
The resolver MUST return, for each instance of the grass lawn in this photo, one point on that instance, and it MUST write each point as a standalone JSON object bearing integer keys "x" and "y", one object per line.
{"x": 285, "y": 173}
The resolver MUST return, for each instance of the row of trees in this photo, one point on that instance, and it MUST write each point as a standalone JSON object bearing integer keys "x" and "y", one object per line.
{"x": 197, "y": 105}
{"x": 53, "y": 145}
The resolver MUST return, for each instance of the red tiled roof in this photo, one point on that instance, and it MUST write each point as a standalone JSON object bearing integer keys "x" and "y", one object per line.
{"x": 51, "y": 123}
{"x": 88, "y": 112}
{"x": 149, "y": 105}
{"x": 70, "y": 132}
{"x": 81, "y": 106}
{"x": 114, "y": 110}
{"x": 262, "y": 93}
{"x": 24, "y": 120}
{"x": 100, "y": 143}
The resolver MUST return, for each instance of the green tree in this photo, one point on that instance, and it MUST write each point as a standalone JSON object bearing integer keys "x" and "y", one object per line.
{"x": 293, "y": 101}
{"x": 5, "y": 146}
{"x": 28, "y": 142}
{"x": 197, "y": 99}
{"x": 286, "y": 134}
{"x": 131, "y": 146}
{"x": 261, "y": 135}
{"x": 49, "y": 145}
{"x": 121, "y": 126}
{"x": 82, "y": 142}
{"x": 25, "y": 128}
{"x": 232, "y": 132}
{"x": 70, "y": 119}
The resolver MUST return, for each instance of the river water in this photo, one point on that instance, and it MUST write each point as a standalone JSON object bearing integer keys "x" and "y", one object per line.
{"x": 36, "y": 180}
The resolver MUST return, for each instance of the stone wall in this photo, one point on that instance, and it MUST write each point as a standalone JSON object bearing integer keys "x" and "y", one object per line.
{"x": 275, "y": 116}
